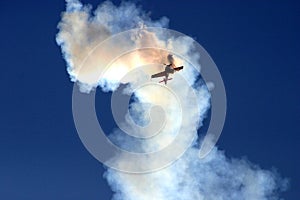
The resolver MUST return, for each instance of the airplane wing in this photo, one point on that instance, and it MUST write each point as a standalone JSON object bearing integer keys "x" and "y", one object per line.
{"x": 178, "y": 68}
{"x": 158, "y": 75}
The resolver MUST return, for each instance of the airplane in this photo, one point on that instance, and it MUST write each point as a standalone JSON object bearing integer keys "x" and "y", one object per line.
{"x": 169, "y": 69}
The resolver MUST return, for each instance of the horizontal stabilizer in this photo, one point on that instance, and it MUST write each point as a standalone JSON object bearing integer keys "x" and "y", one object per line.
{"x": 164, "y": 80}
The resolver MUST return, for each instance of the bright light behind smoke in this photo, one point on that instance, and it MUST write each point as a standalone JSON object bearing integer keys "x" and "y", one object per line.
{"x": 215, "y": 177}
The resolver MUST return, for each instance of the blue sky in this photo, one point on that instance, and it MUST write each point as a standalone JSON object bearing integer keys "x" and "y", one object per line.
{"x": 254, "y": 44}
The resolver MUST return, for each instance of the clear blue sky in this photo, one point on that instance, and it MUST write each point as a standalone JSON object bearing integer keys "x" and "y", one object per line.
{"x": 255, "y": 44}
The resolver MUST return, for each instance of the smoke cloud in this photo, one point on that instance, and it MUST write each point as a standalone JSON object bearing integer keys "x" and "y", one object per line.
{"x": 188, "y": 178}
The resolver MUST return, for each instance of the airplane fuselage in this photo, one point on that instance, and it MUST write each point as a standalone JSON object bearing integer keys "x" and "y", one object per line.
{"x": 169, "y": 69}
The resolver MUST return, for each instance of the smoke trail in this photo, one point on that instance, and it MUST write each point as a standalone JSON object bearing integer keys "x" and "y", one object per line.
{"x": 81, "y": 31}
{"x": 215, "y": 177}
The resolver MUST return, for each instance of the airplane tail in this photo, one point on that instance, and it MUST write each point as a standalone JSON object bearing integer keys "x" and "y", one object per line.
{"x": 165, "y": 80}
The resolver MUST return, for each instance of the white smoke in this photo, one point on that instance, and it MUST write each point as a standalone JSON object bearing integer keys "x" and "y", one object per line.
{"x": 81, "y": 31}
{"x": 216, "y": 176}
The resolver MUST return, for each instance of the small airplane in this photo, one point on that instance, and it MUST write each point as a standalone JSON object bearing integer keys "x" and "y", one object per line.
{"x": 169, "y": 69}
